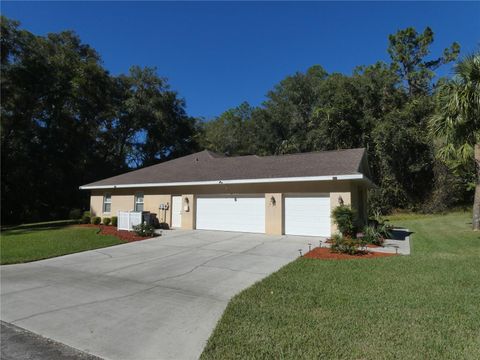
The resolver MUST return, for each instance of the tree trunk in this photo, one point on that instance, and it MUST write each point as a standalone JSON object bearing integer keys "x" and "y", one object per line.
{"x": 476, "y": 200}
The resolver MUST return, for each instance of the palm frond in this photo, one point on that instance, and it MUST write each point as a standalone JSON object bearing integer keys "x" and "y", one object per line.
{"x": 457, "y": 118}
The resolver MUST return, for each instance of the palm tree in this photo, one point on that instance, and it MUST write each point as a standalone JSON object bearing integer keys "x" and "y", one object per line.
{"x": 457, "y": 121}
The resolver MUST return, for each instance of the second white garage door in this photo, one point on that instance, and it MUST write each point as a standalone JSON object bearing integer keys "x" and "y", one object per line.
{"x": 307, "y": 215}
{"x": 231, "y": 213}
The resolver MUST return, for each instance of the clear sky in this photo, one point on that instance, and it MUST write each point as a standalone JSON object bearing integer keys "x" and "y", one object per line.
{"x": 219, "y": 54}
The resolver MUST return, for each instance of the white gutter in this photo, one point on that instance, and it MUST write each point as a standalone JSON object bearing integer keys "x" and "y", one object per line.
{"x": 226, "y": 182}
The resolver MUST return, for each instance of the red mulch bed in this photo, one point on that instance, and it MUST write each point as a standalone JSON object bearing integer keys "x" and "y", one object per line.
{"x": 128, "y": 236}
{"x": 326, "y": 254}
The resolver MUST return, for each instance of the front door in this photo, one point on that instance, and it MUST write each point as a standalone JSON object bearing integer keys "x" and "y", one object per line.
{"x": 176, "y": 211}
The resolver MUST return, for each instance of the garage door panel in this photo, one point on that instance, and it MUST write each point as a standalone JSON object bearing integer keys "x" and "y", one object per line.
{"x": 307, "y": 215}
{"x": 230, "y": 213}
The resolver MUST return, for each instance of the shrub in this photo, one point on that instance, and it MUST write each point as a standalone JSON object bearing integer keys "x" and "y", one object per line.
{"x": 380, "y": 225}
{"x": 106, "y": 221}
{"x": 114, "y": 221}
{"x": 86, "y": 217}
{"x": 163, "y": 226}
{"x": 75, "y": 214}
{"x": 372, "y": 236}
{"x": 385, "y": 230}
{"x": 346, "y": 245}
{"x": 344, "y": 217}
{"x": 96, "y": 220}
{"x": 144, "y": 229}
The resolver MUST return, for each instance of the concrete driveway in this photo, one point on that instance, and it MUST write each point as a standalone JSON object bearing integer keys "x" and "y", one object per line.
{"x": 153, "y": 299}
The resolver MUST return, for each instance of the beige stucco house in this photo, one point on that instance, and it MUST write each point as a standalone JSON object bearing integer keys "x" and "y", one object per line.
{"x": 287, "y": 194}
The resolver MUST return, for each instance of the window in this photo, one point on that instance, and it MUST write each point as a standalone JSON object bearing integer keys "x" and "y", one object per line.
{"x": 107, "y": 203}
{"x": 139, "y": 202}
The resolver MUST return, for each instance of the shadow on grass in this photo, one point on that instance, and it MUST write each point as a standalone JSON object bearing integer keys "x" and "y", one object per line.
{"x": 22, "y": 229}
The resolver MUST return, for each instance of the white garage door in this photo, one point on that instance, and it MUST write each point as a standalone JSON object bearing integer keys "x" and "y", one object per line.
{"x": 307, "y": 215}
{"x": 231, "y": 213}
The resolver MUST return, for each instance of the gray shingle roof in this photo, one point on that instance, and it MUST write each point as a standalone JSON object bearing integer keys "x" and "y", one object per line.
{"x": 209, "y": 166}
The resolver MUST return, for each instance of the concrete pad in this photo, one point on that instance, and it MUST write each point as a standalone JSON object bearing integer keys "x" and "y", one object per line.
{"x": 118, "y": 263}
{"x": 153, "y": 299}
{"x": 286, "y": 248}
{"x": 256, "y": 264}
{"x": 220, "y": 283}
{"x": 234, "y": 245}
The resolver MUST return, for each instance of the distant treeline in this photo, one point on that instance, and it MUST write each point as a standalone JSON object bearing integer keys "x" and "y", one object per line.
{"x": 65, "y": 121}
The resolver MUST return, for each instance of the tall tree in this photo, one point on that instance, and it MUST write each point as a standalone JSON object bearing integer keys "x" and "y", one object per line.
{"x": 231, "y": 132}
{"x": 408, "y": 50}
{"x": 152, "y": 123}
{"x": 457, "y": 121}
{"x": 65, "y": 121}
{"x": 290, "y": 109}
{"x": 55, "y": 95}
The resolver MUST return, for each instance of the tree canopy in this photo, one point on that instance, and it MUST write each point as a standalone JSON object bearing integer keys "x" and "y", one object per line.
{"x": 66, "y": 121}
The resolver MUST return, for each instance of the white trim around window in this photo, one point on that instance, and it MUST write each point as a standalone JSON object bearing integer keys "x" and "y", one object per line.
{"x": 107, "y": 203}
{"x": 139, "y": 201}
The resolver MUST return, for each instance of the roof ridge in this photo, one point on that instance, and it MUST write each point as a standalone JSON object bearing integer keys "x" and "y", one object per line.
{"x": 313, "y": 152}
{"x": 212, "y": 154}
{"x": 281, "y": 155}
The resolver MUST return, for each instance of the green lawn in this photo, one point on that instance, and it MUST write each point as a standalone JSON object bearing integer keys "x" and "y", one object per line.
{"x": 45, "y": 240}
{"x": 422, "y": 306}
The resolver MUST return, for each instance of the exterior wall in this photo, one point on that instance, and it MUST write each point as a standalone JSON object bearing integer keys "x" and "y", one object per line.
{"x": 151, "y": 202}
{"x": 123, "y": 199}
{"x": 362, "y": 205}
{"x": 96, "y": 203}
{"x": 359, "y": 203}
{"x": 122, "y": 202}
{"x": 274, "y": 214}
{"x": 354, "y": 203}
{"x": 188, "y": 217}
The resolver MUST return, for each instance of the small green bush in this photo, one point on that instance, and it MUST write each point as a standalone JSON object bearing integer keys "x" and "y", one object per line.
{"x": 371, "y": 235}
{"x": 381, "y": 226}
{"x": 86, "y": 217}
{"x": 385, "y": 230}
{"x": 106, "y": 221}
{"x": 114, "y": 221}
{"x": 344, "y": 217}
{"x": 75, "y": 214}
{"x": 346, "y": 245}
{"x": 96, "y": 220}
{"x": 144, "y": 230}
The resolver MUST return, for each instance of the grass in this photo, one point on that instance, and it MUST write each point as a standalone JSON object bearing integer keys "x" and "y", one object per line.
{"x": 38, "y": 241}
{"x": 422, "y": 306}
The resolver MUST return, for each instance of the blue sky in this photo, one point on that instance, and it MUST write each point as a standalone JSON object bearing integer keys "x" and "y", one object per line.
{"x": 219, "y": 54}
